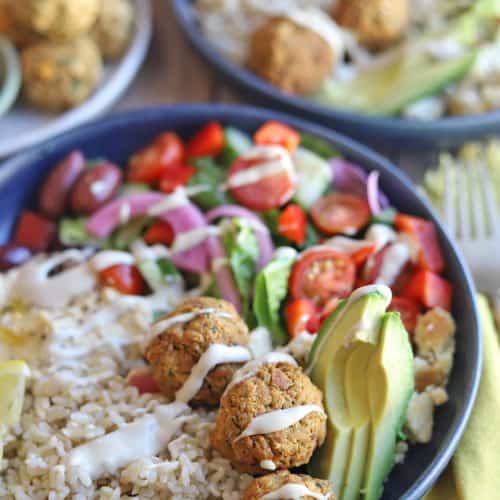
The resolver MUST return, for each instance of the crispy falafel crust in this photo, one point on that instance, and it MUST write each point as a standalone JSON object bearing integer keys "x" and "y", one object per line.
{"x": 272, "y": 482}
{"x": 293, "y": 58}
{"x": 274, "y": 387}
{"x": 174, "y": 352}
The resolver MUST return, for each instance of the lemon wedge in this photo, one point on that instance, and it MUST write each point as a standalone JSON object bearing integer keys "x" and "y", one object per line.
{"x": 13, "y": 376}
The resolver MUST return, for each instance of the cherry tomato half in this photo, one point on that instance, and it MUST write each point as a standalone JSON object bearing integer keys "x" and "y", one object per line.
{"x": 125, "y": 278}
{"x": 322, "y": 274}
{"x": 34, "y": 231}
{"x": 424, "y": 234}
{"x": 340, "y": 213}
{"x": 159, "y": 233}
{"x": 409, "y": 310}
{"x": 151, "y": 162}
{"x": 209, "y": 141}
{"x": 176, "y": 177}
{"x": 301, "y": 316}
{"x": 267, "y": 193}
{"x": 292, "y": 224}
{"x": 276, "y": 133}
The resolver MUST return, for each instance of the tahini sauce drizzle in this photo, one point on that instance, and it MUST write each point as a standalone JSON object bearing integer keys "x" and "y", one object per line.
{"x": 294, "y": 492}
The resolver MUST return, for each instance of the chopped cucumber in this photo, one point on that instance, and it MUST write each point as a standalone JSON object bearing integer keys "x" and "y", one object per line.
{"x": 158, "y": 273}
{"x": 134, "y": 188}
{"x": 72, "y": 233}
{"x": 314, "y": 177}
{"x": 236, "y": 144}
{"x": 385, "y": 217}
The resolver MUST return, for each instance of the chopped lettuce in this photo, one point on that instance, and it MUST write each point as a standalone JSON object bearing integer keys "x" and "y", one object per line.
{"x": 158, "y": 273}
{"x": 271, "y": 289}
{"x": 242, "y": 249}
{"x": 319, "y": 146}
{"x": 209, "y": 175}
{"x": 385, "y": 217}
{"x": 125, "y": 235}
{"x": 271, "y": 219}
{"x": 72, "y": 233}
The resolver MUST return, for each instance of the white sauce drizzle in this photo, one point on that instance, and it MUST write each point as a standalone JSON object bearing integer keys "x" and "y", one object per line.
{"x": 189, "y": 239}
{"x": 356, "y": 295}
{"x": 108, "y": 258}
{"x": 163, "y": 324}
{"x": 145, "y": 437}
{"x": 380, "y": 234}
{"x": 393, "y": 263}
{"x": 267, "y": 465}
{"x": 260, "y": 342}
{"x": 278, "y": 420}
{"x": 316, "y": 20}
{"x": 124, "y": 213}
{"x": 143, "y": 252}
{"x": 215, "y": 355}
{"x": 170, "y": 202}
{"x": 34, "y": 286}
{"x": 346, "y": 245}
{"x": 252, "y": 367}
{"x": 274, "y": 159}
{"x": 293, "y": 491}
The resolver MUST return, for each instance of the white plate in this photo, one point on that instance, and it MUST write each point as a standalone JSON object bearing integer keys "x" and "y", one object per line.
{"x": 23, "y": 126}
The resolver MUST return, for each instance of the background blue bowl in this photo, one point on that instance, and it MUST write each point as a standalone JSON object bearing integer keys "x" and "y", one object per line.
{"x": 387, "y": 134}
{"x": 120, "y": 135}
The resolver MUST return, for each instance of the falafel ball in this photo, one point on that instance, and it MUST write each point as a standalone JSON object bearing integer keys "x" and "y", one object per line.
{"x": 273, "y": 482}
{"x": 377, "y": 23}
{"x": 274, "y": 386}
{"x": 19, "y": 35}
{"x": 294, "y": 58}
{"x": 113, "y": 29}
{"x": 58, "y": 76}
{"x": 174, "y": 352}
{"x": 57, "y": 19}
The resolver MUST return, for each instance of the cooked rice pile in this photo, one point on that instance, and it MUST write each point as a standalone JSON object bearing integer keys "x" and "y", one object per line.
{"x": 78, "y": 391}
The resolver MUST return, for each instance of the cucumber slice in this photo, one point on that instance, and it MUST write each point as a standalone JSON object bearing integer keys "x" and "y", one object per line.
{"x": 314, "y": 177}
{"x": 236, "y": 144}
{"x": 388, "y": 89}
{"x": 158, "y": 273}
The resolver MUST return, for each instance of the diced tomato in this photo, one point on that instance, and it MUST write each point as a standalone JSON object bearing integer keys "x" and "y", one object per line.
{"x": 429, "y": 289}
{"x": 142, "y": 379}
{"x": 276, "y": 133}
{"x": 322, "y": 274}
{"x": 209, "y": 141}
{"x": 424, "y": 234}
{"x": 160, "y": 232}
{"x": 409, "y": 310}
{"x": 329, "y": 308}
{"x": 292, "y": 224}
{"x": 176, "y": 177}
{"x": 299, "y": 314}
{"x": 34, "y": 231}
{"x": 340, "y": 213}
{"x": 125, "y": 278}
{"x": 150, "y": 163}
{"x": 267, "y": 193}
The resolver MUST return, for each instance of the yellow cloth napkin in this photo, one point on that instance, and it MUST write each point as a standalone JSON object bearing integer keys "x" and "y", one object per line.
{"x": 474, "y": 473}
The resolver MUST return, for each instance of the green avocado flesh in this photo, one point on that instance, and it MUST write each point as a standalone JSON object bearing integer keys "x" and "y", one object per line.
{"x": 386, "y": 89}
{"x": 362, "y": 360}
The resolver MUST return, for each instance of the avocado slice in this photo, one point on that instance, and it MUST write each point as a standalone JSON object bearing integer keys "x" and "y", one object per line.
{"x": 355, "y": 322}
{"x": 390, "y": 385}
{"x": 387, "y": 89}
{"x": 356, "y": 392}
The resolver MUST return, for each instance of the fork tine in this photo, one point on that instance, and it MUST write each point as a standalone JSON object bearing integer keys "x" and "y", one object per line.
{"x": 489, "y": 199}
{"x": 463, "y": 203}
{"x": 448, "y": 207}
{"x": 476, "y": 199}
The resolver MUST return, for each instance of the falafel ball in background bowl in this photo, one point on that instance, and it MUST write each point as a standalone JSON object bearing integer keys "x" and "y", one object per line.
{"x": 78, "y": 57}
{"x": 413, "y": 74}
{"x": 117, "y": 138}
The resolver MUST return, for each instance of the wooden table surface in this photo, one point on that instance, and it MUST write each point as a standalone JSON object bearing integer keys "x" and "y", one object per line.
{"x": 174, "y": 73}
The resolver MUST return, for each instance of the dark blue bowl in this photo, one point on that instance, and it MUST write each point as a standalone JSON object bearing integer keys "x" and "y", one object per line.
{"x": 388, "y": 134}
{"x": 118, "y": 136}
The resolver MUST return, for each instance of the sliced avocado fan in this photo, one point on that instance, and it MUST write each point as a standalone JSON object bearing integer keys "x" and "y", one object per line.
{"x": 362, "y": 360}
{"x": 407, "y": 74}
